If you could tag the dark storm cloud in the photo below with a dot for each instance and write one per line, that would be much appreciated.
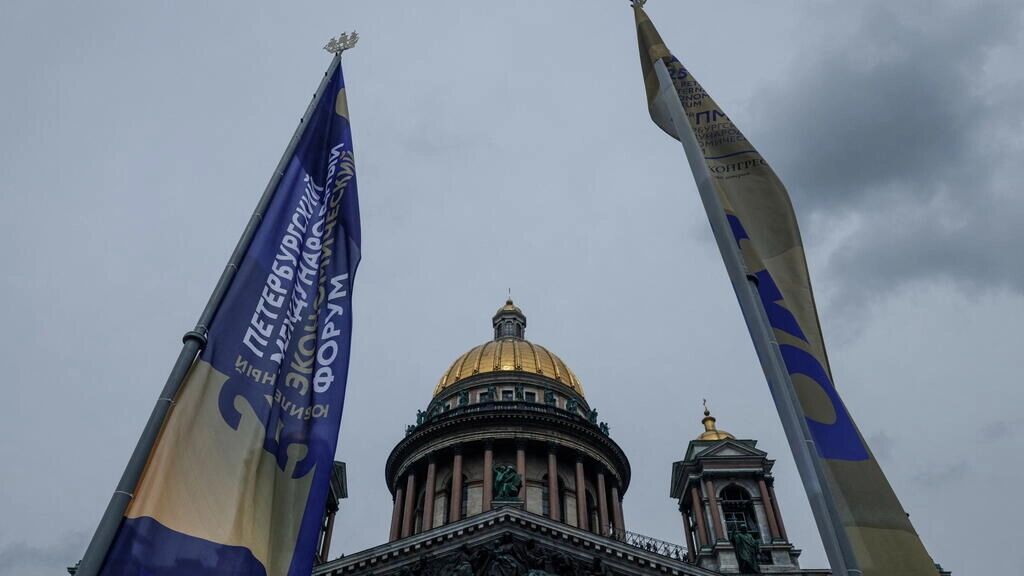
(890, 131)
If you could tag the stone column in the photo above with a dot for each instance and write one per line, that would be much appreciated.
(778, 514)
(555, 510)
(620, 524)
(767, 501)
(698, 514)
(325, 546)
(428, 496)
(716, 517)
(582, 518)
(691, 552)
(409, 518)
(488, 476)
(456, 504)
(521, 467)
(396, 514)
(602, 504)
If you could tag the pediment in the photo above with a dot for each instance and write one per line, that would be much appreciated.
(507, 541)
(729, 448)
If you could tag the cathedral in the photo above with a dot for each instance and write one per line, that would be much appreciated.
(508, 471)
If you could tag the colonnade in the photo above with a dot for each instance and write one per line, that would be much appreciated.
(404, 515)
(695, 526)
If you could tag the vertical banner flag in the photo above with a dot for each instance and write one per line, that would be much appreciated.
(763, 226)
(237, 481)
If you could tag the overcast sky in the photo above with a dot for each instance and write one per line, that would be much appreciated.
(507, 145)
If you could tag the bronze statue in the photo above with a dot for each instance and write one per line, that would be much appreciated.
(746, 551)
(572, 405)
(507, 482)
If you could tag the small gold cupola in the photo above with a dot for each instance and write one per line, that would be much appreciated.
(710, 431)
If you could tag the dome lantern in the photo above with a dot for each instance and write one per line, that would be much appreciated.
(509, 322)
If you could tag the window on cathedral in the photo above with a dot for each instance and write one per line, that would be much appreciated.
(534, 497)
(441, 507)
(530, 396)
(418, 524)
(592, 514)
(736, 522)
(569, 506)
(506, 395)
(739, 511)
(545, 495)
(485, 396)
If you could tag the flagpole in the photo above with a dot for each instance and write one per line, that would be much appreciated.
(192, 343)
(833, 533)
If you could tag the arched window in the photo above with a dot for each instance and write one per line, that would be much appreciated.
(546, 498)
(418, 524)
(739, 511)
(441, 504)
(568, 501)
(465, 496)
(595, 519)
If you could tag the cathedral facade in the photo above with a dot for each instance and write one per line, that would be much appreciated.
(509, 471)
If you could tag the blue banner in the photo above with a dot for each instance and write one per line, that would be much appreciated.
(238, 480)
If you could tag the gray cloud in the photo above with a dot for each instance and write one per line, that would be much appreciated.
(907, 133)
(47, 559)
(882, 445)
(508, 145)
(943, 474)
(998, 430)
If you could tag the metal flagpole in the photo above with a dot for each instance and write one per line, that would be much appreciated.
(193, 342)
(833, 533)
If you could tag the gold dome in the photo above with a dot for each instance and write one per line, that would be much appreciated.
(710, 431)
(509, 355)
(509, 352)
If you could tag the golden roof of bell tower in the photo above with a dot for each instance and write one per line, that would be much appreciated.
(711, 432)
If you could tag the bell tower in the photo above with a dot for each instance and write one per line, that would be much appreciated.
(731, 518)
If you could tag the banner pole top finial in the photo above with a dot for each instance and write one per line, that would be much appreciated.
(638, 3)
(342, 42)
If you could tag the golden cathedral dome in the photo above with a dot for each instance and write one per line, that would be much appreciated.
(509, 352)
(509, 355)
